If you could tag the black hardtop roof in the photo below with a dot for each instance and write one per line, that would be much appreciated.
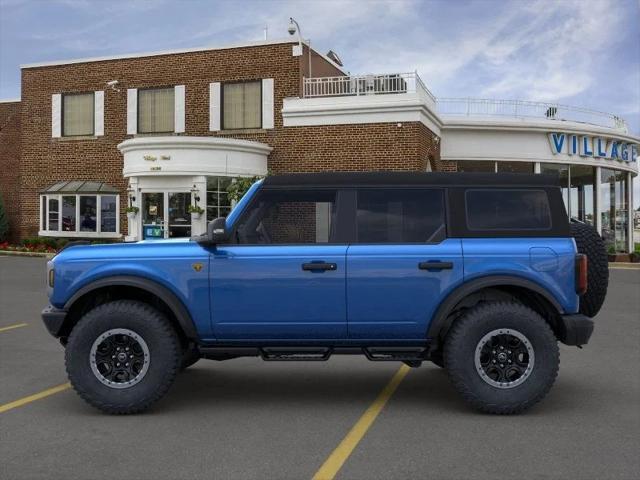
(411, 178)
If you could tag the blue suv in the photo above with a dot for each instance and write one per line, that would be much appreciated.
(480, 274)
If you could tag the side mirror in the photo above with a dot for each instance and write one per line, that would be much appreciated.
(217, 231)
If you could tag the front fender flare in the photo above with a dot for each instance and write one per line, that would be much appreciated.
(176, 306)
(441, 322)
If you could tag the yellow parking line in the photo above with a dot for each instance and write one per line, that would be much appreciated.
(32, 398)
(11, 327)
(334, 463)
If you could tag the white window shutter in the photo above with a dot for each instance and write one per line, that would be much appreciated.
(56, 115)
(98, 113)
(132, 111)
(178, 110)
(267, 103)
(214, 107)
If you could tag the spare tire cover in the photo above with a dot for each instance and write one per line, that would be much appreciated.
(591, 244)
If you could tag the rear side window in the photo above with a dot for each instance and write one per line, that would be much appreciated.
(400, 216)
(498, 209)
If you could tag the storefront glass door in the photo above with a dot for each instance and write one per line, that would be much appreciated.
(164, 215)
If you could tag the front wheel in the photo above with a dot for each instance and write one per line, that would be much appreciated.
(122, 356)
(502, 357)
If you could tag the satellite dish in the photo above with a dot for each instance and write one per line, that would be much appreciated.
(334, 57)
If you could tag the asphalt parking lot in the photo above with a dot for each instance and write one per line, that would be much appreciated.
(247, 419)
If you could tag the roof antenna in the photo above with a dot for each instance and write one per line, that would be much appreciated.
(266, 32)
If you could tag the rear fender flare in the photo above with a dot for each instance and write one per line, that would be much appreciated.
(441, 321)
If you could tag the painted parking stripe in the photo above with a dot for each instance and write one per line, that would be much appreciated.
(334, 463)
(32, 398)
(11, 327)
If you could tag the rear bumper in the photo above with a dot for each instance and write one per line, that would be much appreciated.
(575, 329)
(53, 319)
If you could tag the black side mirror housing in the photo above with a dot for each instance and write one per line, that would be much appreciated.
(217, 231)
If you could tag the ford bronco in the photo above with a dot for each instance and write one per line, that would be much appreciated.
(481, 274)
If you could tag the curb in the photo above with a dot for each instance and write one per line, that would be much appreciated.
(11, 253)
(625, 265)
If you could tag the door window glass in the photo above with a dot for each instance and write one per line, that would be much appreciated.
(400, 216)
(179, 218)
(279, 217)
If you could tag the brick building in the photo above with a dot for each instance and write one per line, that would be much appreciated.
(165, 130)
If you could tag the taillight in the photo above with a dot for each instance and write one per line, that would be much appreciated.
(581, 274)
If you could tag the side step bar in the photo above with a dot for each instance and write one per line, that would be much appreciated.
(317, 354)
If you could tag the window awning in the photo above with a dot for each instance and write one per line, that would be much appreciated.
(80, 186)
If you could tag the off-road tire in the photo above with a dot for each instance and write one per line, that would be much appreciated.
(190, 356)
(459, 355)
(164, 351)
(591, 244)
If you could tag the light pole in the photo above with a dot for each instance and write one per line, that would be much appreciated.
(293, 28)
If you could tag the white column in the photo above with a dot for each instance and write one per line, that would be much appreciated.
(199, 226)
(598, 201)
(630, 243)
(134, 228)
(536, 167)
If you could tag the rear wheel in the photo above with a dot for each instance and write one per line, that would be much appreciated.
(502, 357)
(122, 356)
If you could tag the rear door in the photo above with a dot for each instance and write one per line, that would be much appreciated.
(284, 278)
(401, 264)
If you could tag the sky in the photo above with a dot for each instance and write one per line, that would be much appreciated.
(577, 52)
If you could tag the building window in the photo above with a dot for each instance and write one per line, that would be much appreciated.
(78, 114)
(515, 167)
(242, 105)
(68, 212)
(218, 203)
(156, 110)
(615, 209)
(476, 166)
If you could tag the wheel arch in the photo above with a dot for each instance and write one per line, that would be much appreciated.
(136, 288)
(528, 292)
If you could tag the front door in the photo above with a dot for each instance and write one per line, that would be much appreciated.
(401, 264)
(165, 215)
(283, 278)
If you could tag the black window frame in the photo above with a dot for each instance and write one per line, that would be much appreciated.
(222, 85)
(158, 132)
(93, 117)
(445, 217)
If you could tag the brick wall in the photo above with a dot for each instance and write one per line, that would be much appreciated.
(10, 162)
(46, 160)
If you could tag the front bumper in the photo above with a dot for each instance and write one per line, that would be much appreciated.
(53, 319)
(575, 330)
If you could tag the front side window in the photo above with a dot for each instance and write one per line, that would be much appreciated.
(289, 217)
(241, 105)
(156, 110)
(78, 114)
(507, 210)
(400, 216)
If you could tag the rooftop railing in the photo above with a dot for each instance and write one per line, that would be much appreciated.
(477, 107)
(356, 85)
(399, 83)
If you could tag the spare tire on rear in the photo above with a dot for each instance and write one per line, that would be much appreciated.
(591, 244)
